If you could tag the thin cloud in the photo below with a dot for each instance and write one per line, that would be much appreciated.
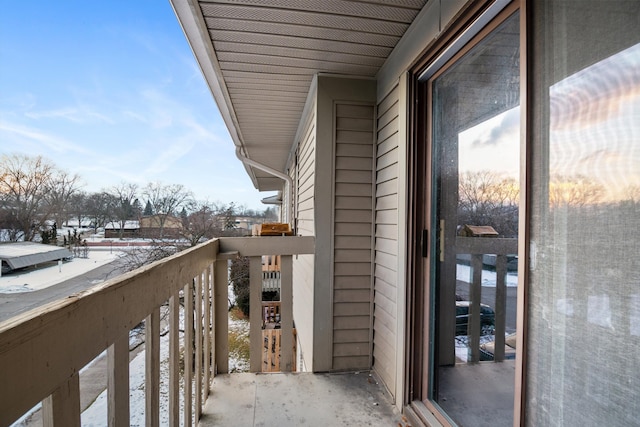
(52, 142)
(597, 93)
(76, 115)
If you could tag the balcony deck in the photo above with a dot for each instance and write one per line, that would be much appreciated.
(280, 399)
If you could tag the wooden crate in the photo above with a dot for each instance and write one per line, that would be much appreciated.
(271, 350)
(275, 229)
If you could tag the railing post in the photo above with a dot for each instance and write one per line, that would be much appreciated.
(152, 368)
(118, 382)
(174, 360)
(286, 313)
(207, 325)
(62, 408)
(500, 311)
(255, 313)
(221, 302)
(474, 328)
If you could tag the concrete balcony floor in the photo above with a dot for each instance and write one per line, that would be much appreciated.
(299, 399)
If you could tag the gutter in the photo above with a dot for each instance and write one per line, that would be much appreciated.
(287, 179)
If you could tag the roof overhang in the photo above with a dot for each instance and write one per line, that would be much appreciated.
(25, 254)
(259, 58)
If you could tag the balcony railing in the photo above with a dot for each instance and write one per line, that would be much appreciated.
(43, 351)
(498, 249)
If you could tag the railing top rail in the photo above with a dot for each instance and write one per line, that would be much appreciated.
(486, 245)
(271, 245)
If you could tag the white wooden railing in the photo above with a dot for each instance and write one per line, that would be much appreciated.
(43, 351)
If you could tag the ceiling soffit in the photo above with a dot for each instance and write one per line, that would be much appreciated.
(268, 52)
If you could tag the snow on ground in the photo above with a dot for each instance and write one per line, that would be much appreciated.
(96, 414)
(488, 277)
(29, 280)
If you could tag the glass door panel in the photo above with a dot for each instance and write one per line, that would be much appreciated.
(476, 139)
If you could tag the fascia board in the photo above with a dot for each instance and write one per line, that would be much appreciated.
(195, 29)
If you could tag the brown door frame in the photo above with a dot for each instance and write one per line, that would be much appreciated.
(421, 238)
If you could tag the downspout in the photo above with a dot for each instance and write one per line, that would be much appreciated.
(277, 174)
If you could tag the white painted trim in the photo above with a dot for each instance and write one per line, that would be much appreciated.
(403, 201)
(463, 39)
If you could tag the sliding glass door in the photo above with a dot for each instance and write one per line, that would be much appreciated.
(474, 135)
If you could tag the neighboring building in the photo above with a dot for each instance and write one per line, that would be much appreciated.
(160, 226)
(374, 119)
(115, 229)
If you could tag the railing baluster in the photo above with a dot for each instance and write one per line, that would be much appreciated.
(152, 368)
(62, 408)
(255, 313)
(198, 351)
(286, 313)
(500, 309)
(207, 330)
(221, 302)
(188, 354)
(118, 382)
(174, 360)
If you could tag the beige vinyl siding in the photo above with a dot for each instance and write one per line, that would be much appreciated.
(353, 222)
(303, 265)
(386, 240)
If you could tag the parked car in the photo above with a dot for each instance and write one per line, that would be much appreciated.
(487, 318)
(487, 350)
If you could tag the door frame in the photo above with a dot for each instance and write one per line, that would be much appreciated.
(421, 240)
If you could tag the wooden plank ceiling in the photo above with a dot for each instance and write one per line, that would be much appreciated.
(268, 51)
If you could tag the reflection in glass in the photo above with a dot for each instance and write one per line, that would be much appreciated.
(583, 338)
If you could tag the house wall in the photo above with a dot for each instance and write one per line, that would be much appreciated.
(389, 312)
(344, 147)
(353, 222)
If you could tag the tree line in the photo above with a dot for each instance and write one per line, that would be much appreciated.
(35, 195)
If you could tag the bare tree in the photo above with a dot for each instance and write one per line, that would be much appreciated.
(204, 223)
(61, 187)
(77, 207)
(574, 191)
(166, 200)
(100, 208)
(24, 182)
(489, 199)
(123, 196)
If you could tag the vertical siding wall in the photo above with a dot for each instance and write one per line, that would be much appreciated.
(303, 265)
(353, 222)
(386, 239)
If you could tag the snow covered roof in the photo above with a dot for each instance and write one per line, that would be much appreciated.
(25, 254)
(128, 225)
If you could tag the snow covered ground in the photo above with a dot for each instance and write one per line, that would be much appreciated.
(29, 280)
(489, 277)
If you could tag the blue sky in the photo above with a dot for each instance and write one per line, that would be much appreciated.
(111, 91)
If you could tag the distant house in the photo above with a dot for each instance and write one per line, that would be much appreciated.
(113, 229)
(156, 226)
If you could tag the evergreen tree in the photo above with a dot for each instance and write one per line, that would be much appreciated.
(148, 209)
